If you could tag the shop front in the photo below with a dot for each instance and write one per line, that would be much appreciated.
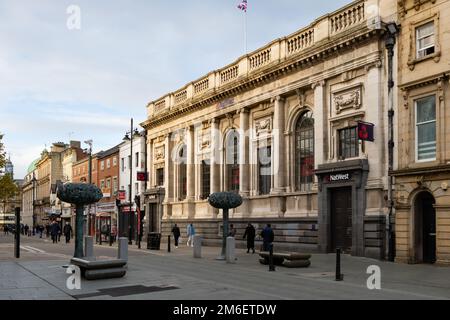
(105, 219)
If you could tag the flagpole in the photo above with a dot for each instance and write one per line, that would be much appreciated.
(245, 31)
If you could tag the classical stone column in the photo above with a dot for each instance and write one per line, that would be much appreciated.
(215, 156)
(278, 146)
(244, 146)
(190, 163)
(150, 168)
(167, 162)
(319, 123)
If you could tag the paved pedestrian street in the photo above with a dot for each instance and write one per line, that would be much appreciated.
(158, 275)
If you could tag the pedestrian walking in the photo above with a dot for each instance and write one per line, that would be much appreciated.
(67, 232)
(47, 230)
(232, 232)
(250, 234)
(190, 234)
(26, 228)
(5, 230)
(268, 237)
(176, 234)
(54, 231)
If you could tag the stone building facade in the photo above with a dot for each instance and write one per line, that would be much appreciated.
(50, 173)
(423, 173)
(29, 194)
(278, 126)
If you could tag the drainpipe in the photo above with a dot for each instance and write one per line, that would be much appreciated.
(390, 41)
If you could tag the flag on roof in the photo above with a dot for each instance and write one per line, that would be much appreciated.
(243, 5)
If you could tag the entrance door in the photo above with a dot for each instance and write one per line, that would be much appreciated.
(341, 219)
(425, 208)
(153, 215)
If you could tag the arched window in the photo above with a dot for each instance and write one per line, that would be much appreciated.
(304, 152)
(232, 161)
(182, 172)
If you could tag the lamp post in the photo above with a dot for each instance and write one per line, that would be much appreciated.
(133, 131)
(89, 143)
(33, 199)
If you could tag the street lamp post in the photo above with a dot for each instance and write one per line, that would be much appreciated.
(33, 199)
(89, 143)
(132, 132)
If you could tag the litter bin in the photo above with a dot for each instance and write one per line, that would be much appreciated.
(154, 241)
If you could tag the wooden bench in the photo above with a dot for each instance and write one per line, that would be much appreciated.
(93, 269)
(288, 260)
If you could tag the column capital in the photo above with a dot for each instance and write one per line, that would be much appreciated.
(277, 99)
(245, 110)
(214, 121)
(320, 83)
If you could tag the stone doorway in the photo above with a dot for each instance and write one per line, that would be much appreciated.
(425, 228)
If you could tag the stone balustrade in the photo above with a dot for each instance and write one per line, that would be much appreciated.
(181, 96)
(229, 74)
(347, 18)
(300, 41)
(201, 86)
(260, 59)
(326, 27)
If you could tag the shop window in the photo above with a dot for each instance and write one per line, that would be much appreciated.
(232, 161)
(304, 152)
(182, 172)
(265, 170)
(206, 179)
(348, 143)
(160, 177)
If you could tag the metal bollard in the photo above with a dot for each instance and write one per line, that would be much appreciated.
(17, 234)
(168, 243)
(271, 265)
(339, 275)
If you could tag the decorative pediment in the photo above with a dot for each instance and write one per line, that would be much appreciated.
(204, 141)
(348, 99)
(263, 126)
(160, 153)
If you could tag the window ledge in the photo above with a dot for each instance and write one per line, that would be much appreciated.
(436, 57)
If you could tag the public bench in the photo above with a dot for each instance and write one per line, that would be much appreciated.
(288, 260)
(93, 269)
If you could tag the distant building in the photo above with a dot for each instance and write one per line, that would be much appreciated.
(108, 182)
(137, 162)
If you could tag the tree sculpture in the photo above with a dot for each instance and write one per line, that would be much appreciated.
(80, 195)
(225, 201)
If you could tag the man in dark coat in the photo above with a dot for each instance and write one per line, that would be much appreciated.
(250, 234)
(268, 237)
(54, 231)
(67, 232)
(176, 234)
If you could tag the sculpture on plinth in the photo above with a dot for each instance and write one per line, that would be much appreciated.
(225, 201)
(80, 195)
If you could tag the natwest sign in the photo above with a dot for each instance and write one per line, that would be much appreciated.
(338, 177)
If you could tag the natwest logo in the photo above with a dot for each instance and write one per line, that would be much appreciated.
(338, 177)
